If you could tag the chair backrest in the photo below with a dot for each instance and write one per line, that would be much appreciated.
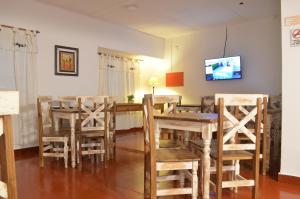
(93, 113)
(226, 137)
(188, 108)
(68, 102)
(169, 101)
(275, 102)
(242, 111)
(149, 145)
(208, 104)
(45, 120)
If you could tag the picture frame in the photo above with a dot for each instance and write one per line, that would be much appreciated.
(66, 60)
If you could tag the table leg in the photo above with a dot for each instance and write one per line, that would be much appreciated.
(206, 136)
(7, 159)
(73, 151)
(56, 121)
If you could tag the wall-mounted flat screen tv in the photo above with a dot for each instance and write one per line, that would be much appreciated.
(223, 68)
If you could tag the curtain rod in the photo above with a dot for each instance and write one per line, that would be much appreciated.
(6, 26)
(106, 54)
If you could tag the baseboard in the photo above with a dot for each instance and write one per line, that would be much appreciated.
(288, 179)
(130, 150)
(129, 131)
(25, 152)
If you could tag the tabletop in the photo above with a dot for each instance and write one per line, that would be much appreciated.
(188, 116)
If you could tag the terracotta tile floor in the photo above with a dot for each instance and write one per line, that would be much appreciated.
(122, 179)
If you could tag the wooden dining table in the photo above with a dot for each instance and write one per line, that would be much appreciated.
(203, 123)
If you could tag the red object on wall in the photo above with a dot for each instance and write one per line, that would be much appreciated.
(174, 79)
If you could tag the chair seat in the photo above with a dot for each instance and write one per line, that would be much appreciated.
(169, 144)
(50, 132)
(233, 155)
(175, 155)
(200, 144)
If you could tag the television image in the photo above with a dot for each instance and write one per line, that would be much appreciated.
(223, 68)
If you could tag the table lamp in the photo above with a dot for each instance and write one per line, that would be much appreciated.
(153, 81)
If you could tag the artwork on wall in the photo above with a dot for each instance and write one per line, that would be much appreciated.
(66, 60)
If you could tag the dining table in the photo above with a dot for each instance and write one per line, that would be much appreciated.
(203, 123)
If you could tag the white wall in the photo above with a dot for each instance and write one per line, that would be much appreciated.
(61, 27)
(258, 44)
(290, 148)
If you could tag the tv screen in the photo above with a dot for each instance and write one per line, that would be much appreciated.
(223, 68)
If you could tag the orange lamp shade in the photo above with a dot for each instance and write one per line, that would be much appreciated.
(174, 79)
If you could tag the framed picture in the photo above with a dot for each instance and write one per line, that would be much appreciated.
(66, 60)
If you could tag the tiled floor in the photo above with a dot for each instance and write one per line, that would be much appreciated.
(122, 179)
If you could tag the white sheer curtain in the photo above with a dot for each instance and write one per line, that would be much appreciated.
(120, 77)
(18, 50)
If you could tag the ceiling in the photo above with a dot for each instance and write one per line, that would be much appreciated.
(168, 18)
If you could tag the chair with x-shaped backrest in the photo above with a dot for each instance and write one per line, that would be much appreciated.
(227, 147)
(241, 111)
(92, 138)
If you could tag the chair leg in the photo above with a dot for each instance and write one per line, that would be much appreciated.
(182, 176)
(102, 148)
(41, 151)
(80, 152)
(114, 145)
(255, 191)
(105, 153)
(219, 174)
(201, 173)
(146, 177)
(265, 152)
(56, 149)
(66, 150)
(77, 151)
(236, 172)
(195, 180)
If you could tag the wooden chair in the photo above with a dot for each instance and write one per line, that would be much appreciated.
(242, 111)
(208, 104)
(168, 104)
(9, 105)
(157, 160)
(228, 149)
(51, 143)
(275, 102)
(92, 137)
(274, 119)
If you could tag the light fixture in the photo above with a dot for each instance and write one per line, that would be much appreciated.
(174, 79)
(153, 82)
